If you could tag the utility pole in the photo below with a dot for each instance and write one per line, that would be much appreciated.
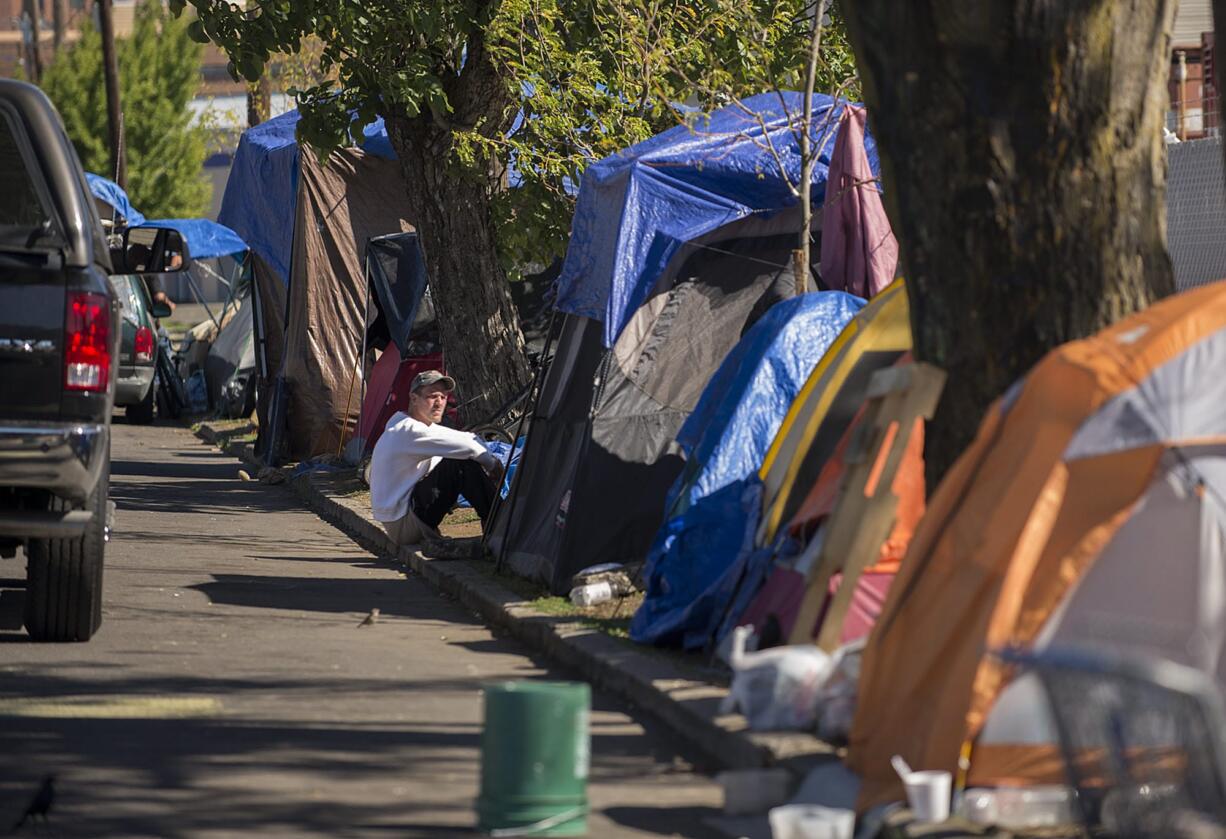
(30, 12)
(110, 68)
(1180, 106)
(59, 20)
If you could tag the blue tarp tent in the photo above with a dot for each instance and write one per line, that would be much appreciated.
(262, 189)
(678, 246)
(638, 207)
(205, 239)
(113, 195)
(725, 439)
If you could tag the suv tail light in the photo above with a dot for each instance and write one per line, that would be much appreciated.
(144, 344)
(87, 342)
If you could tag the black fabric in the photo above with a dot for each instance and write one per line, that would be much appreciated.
(435, 495)
(528, 527)
(268, 300)
(533, 296)
(397, 274)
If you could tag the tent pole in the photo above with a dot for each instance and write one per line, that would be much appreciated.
(534, 394)
(191, 281)
(340, 446)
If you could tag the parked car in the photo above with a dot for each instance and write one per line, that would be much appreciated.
(134, 388)
(58, 339)
(59, 348)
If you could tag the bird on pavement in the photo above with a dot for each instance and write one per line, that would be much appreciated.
(40, 804)
(370, 619)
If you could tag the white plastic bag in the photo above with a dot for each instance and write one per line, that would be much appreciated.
(776, 689)
(836, 701)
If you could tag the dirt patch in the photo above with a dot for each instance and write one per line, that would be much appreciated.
(461, 523)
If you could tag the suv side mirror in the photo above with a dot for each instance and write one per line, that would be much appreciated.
(151, 250)
(160, 310)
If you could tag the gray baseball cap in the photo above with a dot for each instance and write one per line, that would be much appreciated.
(429, 377)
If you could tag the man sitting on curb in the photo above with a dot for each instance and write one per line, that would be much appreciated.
(419, 467)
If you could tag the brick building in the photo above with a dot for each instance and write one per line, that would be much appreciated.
(1193, 112)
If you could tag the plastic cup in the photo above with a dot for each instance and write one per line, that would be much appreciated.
(809, 821)
(928, 795)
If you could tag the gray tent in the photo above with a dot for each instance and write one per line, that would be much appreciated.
(600, 456)
(230, 367)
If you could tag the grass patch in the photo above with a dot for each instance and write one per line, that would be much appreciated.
(611, 617)
(462, 515)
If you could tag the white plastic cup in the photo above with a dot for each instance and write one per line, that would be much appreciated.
(809, 821)
(591, 594)
(928, 794)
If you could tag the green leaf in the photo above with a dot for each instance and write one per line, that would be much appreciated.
(195, 31)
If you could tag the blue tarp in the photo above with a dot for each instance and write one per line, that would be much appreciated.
(503, 451)
(637, 207)
(261, 193)
(685, 603)
(113, 194)
(725, 440)
(205, 239)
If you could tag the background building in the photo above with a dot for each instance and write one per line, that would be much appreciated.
(1193, 114)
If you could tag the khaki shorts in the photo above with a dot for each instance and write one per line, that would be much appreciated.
(409, 530)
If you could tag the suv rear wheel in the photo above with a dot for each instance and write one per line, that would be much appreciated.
(64, 591)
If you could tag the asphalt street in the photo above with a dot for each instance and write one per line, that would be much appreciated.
(231, 692)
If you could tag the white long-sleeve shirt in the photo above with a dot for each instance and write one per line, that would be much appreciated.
(406, 452)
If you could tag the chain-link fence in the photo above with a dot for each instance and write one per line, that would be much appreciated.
(1196, 211)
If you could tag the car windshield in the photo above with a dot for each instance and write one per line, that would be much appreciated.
(25, 220)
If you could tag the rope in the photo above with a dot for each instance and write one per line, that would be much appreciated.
(543, 824)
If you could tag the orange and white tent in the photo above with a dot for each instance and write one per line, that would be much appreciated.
(1089, 510)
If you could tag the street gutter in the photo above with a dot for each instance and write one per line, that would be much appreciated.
(670, 691)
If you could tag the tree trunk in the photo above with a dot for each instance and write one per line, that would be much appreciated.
(259, 100)
(114, 111)
(478, 323)
(1024, 171)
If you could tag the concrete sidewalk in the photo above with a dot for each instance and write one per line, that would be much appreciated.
(673, 688)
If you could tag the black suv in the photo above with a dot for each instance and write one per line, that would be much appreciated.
(59, 340)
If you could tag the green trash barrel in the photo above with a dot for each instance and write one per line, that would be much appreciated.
(535, 749)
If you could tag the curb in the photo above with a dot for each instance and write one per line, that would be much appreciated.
(683, 701)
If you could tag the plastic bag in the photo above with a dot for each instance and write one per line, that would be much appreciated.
(776, 689)
(198, 392)
(836, 701)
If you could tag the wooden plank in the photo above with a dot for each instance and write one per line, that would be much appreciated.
(864, 513)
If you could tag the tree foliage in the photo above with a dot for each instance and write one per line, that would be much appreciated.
(159, 70)
(573, 80)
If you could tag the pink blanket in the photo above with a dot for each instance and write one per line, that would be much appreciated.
(859, 251)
